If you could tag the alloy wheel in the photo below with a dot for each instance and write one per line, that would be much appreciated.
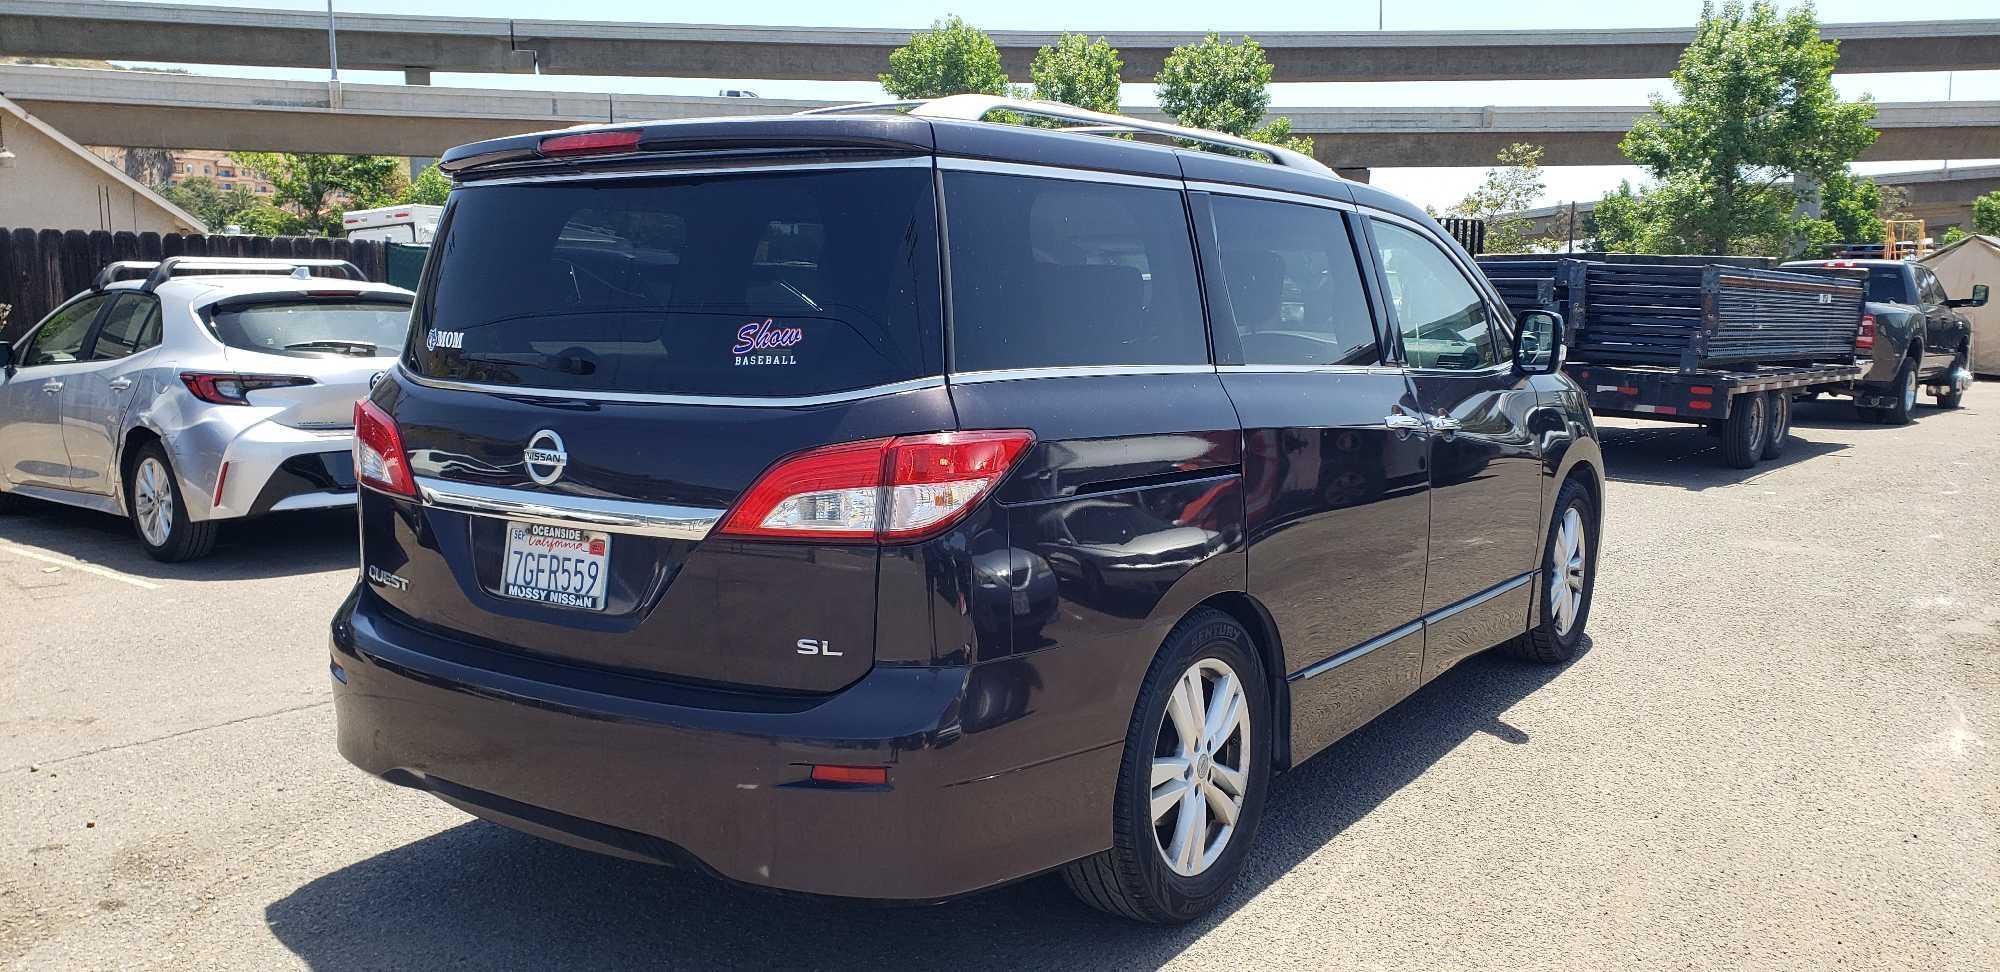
(1910, 389)
(1200, 767)
(1568, 560)
(153, 502)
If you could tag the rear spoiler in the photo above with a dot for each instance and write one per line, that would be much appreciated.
(157, 273)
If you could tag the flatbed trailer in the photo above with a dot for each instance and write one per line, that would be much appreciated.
(1748, 407)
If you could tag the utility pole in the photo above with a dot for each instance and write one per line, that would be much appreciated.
(332, 60)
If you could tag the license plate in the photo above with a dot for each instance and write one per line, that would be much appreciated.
(556, 565)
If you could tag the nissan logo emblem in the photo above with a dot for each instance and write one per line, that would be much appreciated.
(545, 457)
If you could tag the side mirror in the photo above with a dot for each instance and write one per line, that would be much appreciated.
(1978, 298)
(1538, 344)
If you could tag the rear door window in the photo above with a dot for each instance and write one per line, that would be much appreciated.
(132, 326)
(738, 285)
(1056, 273)
(1291, 291)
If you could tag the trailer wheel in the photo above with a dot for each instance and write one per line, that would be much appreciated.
(1743, 435)
(1779, 408)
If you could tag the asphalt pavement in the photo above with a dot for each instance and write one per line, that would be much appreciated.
(1779, 752)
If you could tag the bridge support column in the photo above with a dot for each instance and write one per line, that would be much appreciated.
(418, 76)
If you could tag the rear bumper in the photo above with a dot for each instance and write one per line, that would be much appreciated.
(683, 777)
(262, 468)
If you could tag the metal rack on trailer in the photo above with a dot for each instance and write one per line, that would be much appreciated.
(1727, 346)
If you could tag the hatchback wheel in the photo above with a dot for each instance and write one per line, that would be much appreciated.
(159, 516)
(1191, 786)
(1569, 576)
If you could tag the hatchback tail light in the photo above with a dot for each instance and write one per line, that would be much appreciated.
(230, 389)
(886, 490)
(1865, 339)
(379, 460)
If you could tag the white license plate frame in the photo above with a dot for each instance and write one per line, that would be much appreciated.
(552, 565)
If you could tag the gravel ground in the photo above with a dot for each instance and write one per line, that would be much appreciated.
(1777, 754)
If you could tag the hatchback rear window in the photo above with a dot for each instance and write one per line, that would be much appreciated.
(314, 327)
(739, 285)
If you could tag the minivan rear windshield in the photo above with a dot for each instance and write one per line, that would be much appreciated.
(359, 328)
(720, 284)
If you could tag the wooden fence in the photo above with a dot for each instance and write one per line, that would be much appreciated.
(40, 269)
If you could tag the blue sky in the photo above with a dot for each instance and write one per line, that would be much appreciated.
(1437, 187)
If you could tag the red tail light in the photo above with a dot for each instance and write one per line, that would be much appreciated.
(886, 490)
(589, 143)
(1865, 340)
(379, 459)
(226, 389)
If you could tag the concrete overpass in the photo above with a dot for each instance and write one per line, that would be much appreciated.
(1942, 198)
(145, 109)
(297, 38)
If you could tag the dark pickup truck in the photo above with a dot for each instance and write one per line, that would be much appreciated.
(1911, 335)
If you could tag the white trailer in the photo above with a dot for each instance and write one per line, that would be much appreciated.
(393, 224)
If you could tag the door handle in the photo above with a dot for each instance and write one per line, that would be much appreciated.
(1443, 425)
(1403, 423)
(51, 387)
(120, 384)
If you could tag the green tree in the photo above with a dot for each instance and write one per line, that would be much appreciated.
(1624, 221)
(953, 57)
(1851, 205)
(1754, 104)
(265, 219)
(1224, 88)
(1515, 184)
(1078, 71)
(319, 187)
(429, 188)
(1953, 235)
(1986, 214)
(209, 202)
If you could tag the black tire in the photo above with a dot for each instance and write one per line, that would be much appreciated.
(1133, 879)
(1743, 435)
(1549, 642)
(1778, 422)
(1952, 397)
(1905, 394)
(10, 504)
(185, 539)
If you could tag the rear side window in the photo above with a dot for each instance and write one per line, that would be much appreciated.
(132, 326)
(314, 327)
(1290, 287)
(740, 285)
(1054, 273)
(1885, 285)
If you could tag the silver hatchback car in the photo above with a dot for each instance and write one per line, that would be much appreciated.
(209, 390)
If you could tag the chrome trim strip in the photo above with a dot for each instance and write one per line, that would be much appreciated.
(1480, 598)
(1278, 369)
(637, 398)
(1080, 371)
(578, 512)
(1276, 195)
(897, 162)
(1381, 640)
(958, 163)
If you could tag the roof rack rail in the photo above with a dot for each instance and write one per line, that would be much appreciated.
(974, 107)
(160, 272)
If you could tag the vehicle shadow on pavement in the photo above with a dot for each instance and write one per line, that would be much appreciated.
(485, 896)
(1689, 458)
(279, 545)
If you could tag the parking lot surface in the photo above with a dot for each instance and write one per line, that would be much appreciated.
(1780, 752)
